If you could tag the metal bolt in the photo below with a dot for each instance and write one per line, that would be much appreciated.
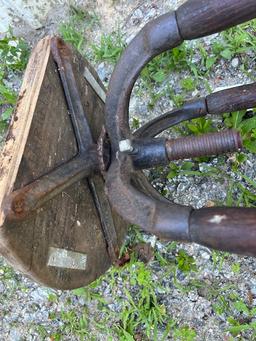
(18, 206)
(125, 146)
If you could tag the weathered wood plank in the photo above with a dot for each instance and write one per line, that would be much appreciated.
(63, 244)
(21, 120)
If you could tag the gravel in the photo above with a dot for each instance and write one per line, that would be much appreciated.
(31, 312)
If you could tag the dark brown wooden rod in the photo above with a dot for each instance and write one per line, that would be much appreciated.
(227, 229)
(232, 99)
(224, 101)
(199, 18)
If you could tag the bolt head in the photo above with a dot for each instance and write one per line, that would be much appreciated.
(125, 146)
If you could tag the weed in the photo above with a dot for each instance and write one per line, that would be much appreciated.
(178, 100)
(174, 60)
(79, 15)
(238, 193)
(75, 324)
(175, 170)
(218, 258)
(244, 320)
(238, 40)
(200, 126)
(142, 311)
(235, 267)
(74, 30)
(184, 334)
(188, 84)
(52, 298)
(246, 126)
(72, 36)
(185, 262)
(110, 48)
(135, 123)
(14, 55)
(41, 330)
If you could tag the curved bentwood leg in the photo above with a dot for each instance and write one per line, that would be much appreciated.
(230, 229)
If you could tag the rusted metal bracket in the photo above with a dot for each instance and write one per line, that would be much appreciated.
(27, 200)
(85, 143)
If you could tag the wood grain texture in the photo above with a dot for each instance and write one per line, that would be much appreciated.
(225, 228)
(70, 221)
(94, 108)
(21, 120)
(199, 18)
(51, 133)
(233, 99)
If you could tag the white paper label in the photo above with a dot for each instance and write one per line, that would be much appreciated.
(62, 258)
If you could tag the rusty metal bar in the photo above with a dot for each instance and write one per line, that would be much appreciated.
(28, 199)
(62, 57)
(157, 36)
(85, 141)
(148, 153)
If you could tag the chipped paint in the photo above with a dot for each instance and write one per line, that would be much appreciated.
(217, 219)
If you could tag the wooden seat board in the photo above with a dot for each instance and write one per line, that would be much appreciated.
(63, 244)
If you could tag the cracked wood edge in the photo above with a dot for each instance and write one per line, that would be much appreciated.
(16, 139)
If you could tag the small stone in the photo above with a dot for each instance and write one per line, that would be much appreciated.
(195, 93)
(40, 295)
(102, 71)
(209, 203)
(151, 13)
(253, 290)
(2, 288)
(205, 255)
(181, 187)
(193, 296)
(235, 62)
(138, 14)
(15, 335)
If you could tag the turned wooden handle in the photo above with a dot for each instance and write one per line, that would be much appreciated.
(233, 99)
(199, 18)
(227, 229)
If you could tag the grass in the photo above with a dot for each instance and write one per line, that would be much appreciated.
(140, 312)
(143, 313)
(245, 125)
(75, 30)
(110, 48)
(14, 55)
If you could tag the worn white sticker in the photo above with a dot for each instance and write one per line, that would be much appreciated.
(94, 84)
(217, 219)
(62, 258)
